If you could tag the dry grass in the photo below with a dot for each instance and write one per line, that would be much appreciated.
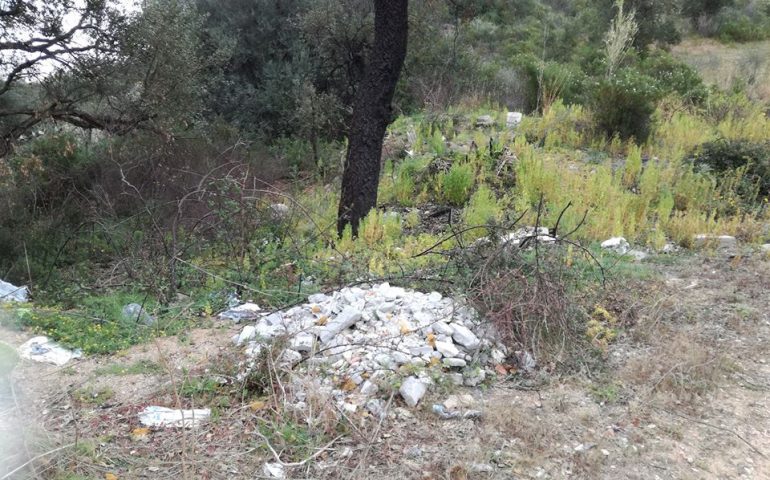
(729, 65)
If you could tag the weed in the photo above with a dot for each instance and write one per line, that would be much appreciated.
(93, 396)
(142, 367)
(456, 183)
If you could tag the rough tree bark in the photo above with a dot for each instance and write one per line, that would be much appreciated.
(372, 112)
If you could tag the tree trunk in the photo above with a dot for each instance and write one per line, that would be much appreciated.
(372, 112)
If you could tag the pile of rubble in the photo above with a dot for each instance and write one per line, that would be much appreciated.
(356, 338)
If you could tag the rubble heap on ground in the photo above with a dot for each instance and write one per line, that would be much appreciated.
(359, 336)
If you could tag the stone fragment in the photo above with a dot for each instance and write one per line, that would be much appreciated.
(513, 118)
(463, 336)
(455, 362)
(447, 349)
(345, 319)
(618, 245)
(302, 342)
(412, 390)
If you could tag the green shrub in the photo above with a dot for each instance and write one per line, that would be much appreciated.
(675, 77)
(736, 25)
(724, 155)
(456, 183)
(624, 103)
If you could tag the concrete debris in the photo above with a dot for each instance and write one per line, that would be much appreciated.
(412, 390)
(362, 337)
(513, 118)
(154, 416)
(43, 349)
(618, 245)
(12, 293)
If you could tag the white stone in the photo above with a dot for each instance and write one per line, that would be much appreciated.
(447, 349)
(617, 244)
(443, 328)
(302, 342)
(273, 470)
(279, 211)
(318, 298)
(513, 118)
(637, 255)
(455, 362)
(369, 388)
(434, 297)
(412, 390)
(463, 336)
(765, 248)
(248, 333)
(345, 319)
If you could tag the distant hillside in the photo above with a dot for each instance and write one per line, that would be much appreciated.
(744, 65)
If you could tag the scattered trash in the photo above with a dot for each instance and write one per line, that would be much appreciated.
(43, 349)
(135, 313)
(154, 416)
(12, 293)
(247, 311)
(273, 470)
(443, 414)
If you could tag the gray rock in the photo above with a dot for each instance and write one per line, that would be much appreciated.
(456, 379)
(376, 407)
(463, 336)
(134, 313)
(369, 388)
(12, 293)
(618, 245)
(765, 248)
(345, 319)
(719, 242)
(474, 377)
(412, 390)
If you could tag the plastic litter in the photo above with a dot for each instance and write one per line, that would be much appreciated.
(154, 416)
(43, 349)
(273, 470)
(12, 293)
(247, 311)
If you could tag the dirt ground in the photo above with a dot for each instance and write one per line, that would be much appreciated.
(683, 395)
